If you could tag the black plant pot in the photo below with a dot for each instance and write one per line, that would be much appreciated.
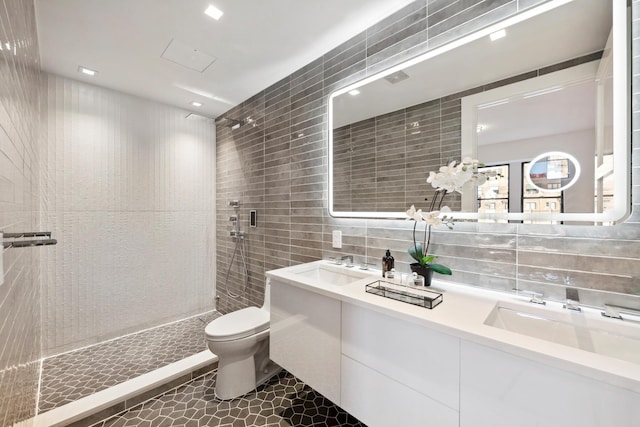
(425, 272)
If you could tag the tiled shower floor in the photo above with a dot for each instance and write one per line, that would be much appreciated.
(71, 376)
(284, 401)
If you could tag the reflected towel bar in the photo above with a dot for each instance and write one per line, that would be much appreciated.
(27, 243)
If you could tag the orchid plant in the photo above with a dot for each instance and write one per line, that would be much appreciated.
(450, 178)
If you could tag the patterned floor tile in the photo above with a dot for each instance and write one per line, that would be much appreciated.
(284, 401)
(71, 376)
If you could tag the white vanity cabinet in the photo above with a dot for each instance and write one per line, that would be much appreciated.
(498, 389)
(391, 365)
(305, 337)
(397, 373)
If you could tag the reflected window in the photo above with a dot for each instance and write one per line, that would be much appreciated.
(493, 195)
(536, 200)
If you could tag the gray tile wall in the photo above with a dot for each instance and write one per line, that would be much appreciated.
(279, 166)
(380, 163)
(19, 210)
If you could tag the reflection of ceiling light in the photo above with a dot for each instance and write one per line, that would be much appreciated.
(481, 128)
(414, 124)
(87, 71)
(542, 91)
(415, 132)
(196, 104)
(498, 35)
(300, 135)
(213, 12)
(493, 104)
(354, 92)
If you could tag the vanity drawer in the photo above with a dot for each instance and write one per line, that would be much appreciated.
(377, 400)
(503, 390)
(415, 356)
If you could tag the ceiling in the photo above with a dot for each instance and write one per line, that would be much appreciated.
(255, 43)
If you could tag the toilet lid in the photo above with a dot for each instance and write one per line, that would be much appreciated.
(238, 324)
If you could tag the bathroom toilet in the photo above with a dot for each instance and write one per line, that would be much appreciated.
(241, 341)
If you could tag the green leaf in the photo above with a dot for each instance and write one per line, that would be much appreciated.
(416, 254)
(441, 269)
(427, 259)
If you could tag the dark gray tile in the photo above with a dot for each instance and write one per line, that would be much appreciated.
(73, 375)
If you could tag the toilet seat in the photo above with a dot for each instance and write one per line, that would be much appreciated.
(238, 324)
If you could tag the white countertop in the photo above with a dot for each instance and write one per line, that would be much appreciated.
(462, 314)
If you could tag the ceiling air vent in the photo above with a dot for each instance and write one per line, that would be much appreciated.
(396, 77)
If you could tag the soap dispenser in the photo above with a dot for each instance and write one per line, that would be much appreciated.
(387, 263)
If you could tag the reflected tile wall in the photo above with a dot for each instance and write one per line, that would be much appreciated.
(19, 210)
(290, 186)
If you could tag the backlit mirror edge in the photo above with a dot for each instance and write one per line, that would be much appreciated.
(621, 128)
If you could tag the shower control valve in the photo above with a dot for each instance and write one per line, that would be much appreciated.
(236, 234)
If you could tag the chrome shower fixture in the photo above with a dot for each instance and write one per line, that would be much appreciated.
(234, 203)
(230, 123)
(233, 218)
(236, 234)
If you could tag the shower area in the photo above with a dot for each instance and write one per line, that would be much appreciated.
(127, 188)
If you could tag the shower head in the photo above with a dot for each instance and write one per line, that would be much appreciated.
(230, 123)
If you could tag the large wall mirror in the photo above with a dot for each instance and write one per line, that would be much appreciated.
(541, 98)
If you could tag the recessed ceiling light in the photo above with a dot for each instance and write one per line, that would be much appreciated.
(213, 12)
(354, 92)
(497, 35)
(87, 71)
(196, 104)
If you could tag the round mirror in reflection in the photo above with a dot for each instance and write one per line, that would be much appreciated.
(553, 170)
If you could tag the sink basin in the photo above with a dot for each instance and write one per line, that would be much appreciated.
(585, 331)
(324, 274)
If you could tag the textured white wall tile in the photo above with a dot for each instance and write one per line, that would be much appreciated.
(20, 323)
(130, 187)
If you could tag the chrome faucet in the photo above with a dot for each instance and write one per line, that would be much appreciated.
(349, 259)
(536, 297)
(615, 311)
(573, 299)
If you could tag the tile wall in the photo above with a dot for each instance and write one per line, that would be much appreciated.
(19, 210)
(379, 163)
(277, 164)
(128, 188)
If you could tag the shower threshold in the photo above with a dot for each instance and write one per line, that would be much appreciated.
(117, 398)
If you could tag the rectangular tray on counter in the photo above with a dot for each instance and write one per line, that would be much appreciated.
(410, 294)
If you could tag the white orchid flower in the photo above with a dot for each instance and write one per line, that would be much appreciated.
(414, 214)
(431, 217)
